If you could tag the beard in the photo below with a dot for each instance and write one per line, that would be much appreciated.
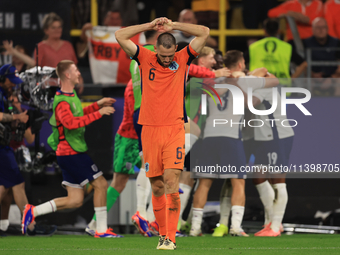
(161, 63)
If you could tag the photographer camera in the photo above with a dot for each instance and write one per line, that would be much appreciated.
(11, 180)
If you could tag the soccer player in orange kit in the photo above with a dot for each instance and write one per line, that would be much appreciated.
(162, 114)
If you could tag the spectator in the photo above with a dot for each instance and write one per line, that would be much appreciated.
(332, 10)
(119, 73)
(20, 59)
(321, 39)
(128, 10)
(20, 65)
(303, 11)
(112, 19)
(188, 16)
(51, 50)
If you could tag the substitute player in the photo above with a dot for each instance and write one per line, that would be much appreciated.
(162, 114)
(126, 156)
(68, 121)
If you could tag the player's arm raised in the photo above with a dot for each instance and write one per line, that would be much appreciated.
(123, 35)
(201, 33)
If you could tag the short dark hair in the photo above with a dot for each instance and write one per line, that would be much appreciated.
(218, 52)
(271, 26)
(167, 40)
(149, 34)
(232, 57)
(21, 47)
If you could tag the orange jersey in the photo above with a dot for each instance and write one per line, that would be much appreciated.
(332, 15)
(163, 88)
(313, 10)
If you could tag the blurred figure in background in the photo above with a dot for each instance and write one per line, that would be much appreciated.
(275, 55)
(188, 16)
(20, 59)
(332, 10)
(303, 12)
(321, 39)
(51, 50)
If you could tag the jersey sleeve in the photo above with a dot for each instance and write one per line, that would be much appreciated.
(64, 114)
(91, 108)
(200, 72)
(191, 53)
(141, 54)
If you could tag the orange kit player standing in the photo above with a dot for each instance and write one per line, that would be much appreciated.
(162, 114)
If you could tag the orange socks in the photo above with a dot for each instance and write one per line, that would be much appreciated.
(167, 210)
(173, 207)
(159, 209)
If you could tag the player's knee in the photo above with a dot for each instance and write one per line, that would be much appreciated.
(157, 190)
(75, 203)
(100, 183)
(78, 204)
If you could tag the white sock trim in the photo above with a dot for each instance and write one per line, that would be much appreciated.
(143, 189)
(190, 139)
(237, 216)
(197, 215)
(101, 215)
(267, 197)
(184, 198)
(279, 206)
(45, 208)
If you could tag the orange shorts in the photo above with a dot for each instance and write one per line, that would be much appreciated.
(163, 148)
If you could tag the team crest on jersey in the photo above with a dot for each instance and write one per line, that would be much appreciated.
(146, 167)
(173, 66)
(94, 168)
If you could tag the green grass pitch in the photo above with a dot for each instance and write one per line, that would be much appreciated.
(135, 244)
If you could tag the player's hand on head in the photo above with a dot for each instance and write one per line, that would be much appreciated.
(23, 117)
(107, 110)
(106, 101)
(165, 25)
(156, 23)
(168, 25)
